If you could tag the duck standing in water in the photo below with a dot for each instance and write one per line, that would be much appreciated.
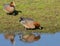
(10, 37)
(9, 8)
(30, 38)
(29, 23)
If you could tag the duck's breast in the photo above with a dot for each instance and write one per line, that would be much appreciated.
(8, 8)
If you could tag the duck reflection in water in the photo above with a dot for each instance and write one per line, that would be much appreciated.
(29, 38)
(10, 37)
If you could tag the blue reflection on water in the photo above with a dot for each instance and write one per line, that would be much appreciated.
(46, 40)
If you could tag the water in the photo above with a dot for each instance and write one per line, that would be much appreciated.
(45, 40)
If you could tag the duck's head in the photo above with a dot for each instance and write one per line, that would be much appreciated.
(21, 18)
(12, 4)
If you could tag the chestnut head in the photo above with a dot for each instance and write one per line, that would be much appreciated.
(12, 4)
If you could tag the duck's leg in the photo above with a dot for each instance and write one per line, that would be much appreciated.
(26, 28)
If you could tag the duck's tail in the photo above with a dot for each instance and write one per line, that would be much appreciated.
(37, 25)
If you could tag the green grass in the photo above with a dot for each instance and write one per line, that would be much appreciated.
(46, 12)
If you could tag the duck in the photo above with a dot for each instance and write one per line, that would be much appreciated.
(29, 23)
(10, 37)
(9, 8)
(30, 38)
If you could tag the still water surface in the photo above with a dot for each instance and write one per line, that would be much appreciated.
(45, 40)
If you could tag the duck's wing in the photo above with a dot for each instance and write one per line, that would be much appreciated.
(28, 19)
(30, 38)
(25, 36)
(28, 24)
(7, 8)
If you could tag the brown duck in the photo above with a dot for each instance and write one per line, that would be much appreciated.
(9, 8)
(30, 38)
(29, 23)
